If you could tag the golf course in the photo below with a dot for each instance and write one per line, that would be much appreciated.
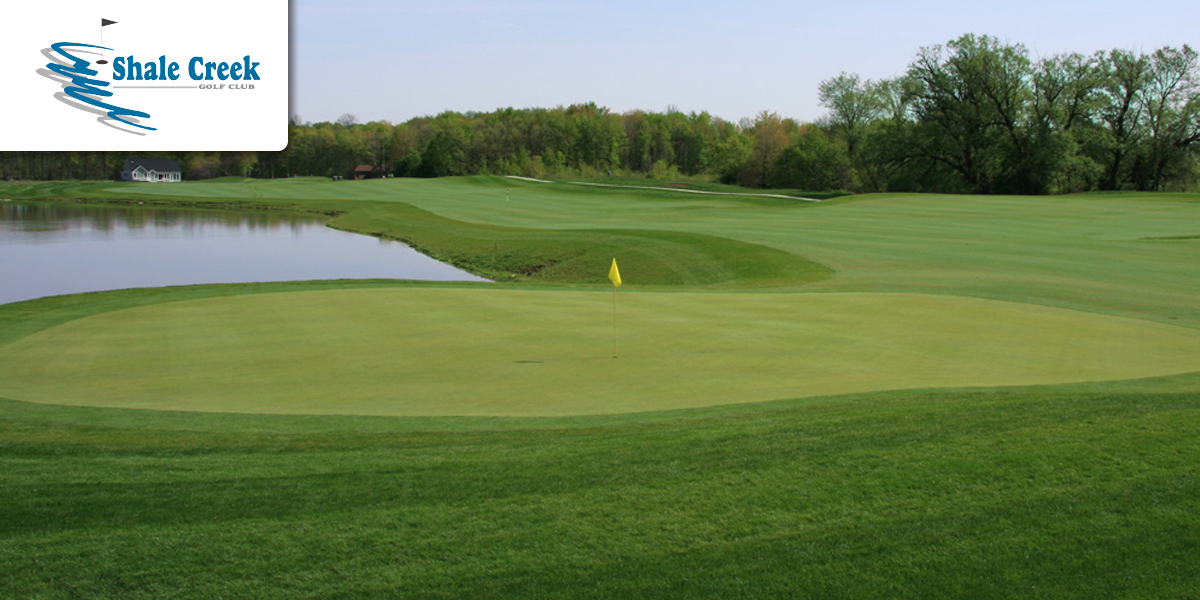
(879, 395)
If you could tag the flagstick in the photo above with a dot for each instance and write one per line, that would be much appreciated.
(614, 276)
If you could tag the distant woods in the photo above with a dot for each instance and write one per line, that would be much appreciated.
(977, 115)
(973, 115)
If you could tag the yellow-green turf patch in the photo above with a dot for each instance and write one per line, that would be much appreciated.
(429, 351)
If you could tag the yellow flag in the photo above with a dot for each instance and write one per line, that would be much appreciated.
(614, 274)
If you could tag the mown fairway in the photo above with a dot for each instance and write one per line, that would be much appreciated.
(988, 397)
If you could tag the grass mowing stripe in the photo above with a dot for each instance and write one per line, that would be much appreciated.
(899, 494)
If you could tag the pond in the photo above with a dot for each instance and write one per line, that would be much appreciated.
(47, 250)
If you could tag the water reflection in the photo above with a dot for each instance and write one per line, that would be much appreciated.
(54, 217)
(49, 249)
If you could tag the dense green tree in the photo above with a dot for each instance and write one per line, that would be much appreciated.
(971, 104)
(853, 104)
(1121, 114)
(812, 162)
(446, 151)
(771, 135)
(1171, 105)
(978, 115)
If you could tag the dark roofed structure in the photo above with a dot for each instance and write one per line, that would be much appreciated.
(151, 169)
(361, 172)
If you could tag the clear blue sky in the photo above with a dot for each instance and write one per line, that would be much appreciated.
(394, 60)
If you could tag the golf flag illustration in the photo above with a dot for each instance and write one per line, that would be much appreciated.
(614, 275)
(103, 23)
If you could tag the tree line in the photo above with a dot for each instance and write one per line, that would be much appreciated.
(972, 115)
(977, 115)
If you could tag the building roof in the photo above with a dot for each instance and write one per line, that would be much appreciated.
(363, 169)
(152, 164)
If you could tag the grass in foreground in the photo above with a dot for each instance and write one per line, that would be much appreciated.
(1049, 492)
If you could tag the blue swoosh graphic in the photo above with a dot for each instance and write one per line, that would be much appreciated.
(83, 88)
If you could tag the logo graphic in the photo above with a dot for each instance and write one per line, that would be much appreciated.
(78, 84)
(173, 78)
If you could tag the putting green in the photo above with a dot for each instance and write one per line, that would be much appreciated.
(430, 351)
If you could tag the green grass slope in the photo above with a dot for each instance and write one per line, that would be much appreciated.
(1094, 253)
(493, 250)
(1083, 486)
(580, 256)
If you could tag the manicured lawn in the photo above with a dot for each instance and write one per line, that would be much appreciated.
(495, 352)
(1125, 254)
(880, 396)
(1048, 492)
